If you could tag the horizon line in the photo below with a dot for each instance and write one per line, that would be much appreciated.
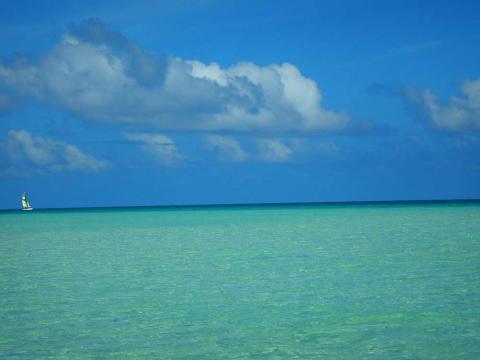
(347, 202)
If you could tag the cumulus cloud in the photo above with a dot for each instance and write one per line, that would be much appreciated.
(100, 75)
(460, 114)
(274, 150)
(160, 146)
(36, 153)
(227, 147)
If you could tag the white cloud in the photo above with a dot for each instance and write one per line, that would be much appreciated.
(458, 115)
(158, 145)
(227, 147)
(100, 75)
(271, 149)
(36, 153)
(274, 150)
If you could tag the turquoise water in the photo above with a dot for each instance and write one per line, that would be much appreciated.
(378, 281)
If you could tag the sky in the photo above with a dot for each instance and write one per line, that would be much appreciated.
(120, 103)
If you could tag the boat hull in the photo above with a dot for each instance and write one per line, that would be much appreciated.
(27, 209)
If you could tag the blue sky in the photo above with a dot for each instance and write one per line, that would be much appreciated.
(180, 102)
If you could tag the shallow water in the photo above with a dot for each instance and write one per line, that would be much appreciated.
(376, 281)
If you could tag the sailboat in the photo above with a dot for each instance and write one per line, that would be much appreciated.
(25, 204)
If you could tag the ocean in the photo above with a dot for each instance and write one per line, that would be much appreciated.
(312, 281)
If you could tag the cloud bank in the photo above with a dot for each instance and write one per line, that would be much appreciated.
(102, 76)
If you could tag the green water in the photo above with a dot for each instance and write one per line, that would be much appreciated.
(387, 281)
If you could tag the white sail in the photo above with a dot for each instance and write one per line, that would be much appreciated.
(25, 203)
